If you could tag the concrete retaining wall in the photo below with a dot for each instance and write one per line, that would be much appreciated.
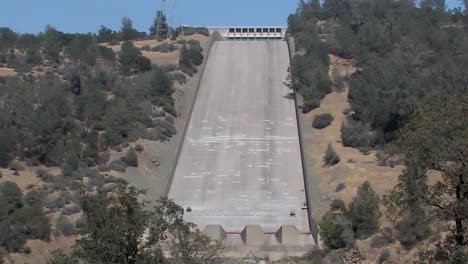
(314, 227)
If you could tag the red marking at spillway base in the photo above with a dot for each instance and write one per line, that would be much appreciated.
(267, 232)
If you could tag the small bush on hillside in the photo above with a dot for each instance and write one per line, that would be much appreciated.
(191, 57)
(117, 165)
(170, 119)
(341, 186)
(179, 77)
(310, 104)
(71, 209)
(104, 158)
(131, 60)
(70, 163)
(143, 64)
(131, 158)
(170, 110)
(106, 53)
(33, 57)
(384, 255)
(64, 226)
(331, 157)
(44, 175)
(314, 256)
(322, 121)
(357, 135)
(165, 48)
(139, 148)
(16, 166)
(146, 48)
(336, 230)
(188, 31)
(181, 41)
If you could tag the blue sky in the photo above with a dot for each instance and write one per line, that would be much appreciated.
(87, 15)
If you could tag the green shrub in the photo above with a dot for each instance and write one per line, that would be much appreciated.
(71, 209)
(310, 104)
(188, 31)
(17, 166)
(131, 158)
(34, 198)
(64, 226)
(336, 231)
(190, 57)
(117, 165)
(139, 148)
(106, 53)
(165, 48)
(331, 157)
(33, 57)
(131, 60)
(384, 255)
(146, 48)
(364, 211)
(71, 163)
(322, 121)
(143, 64)
(357, 135)
(179, 77)
(4, 152)
(341, 186)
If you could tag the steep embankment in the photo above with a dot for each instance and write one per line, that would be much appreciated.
(342, 180)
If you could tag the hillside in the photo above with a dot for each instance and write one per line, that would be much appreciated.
(379, 82)
(74, 109)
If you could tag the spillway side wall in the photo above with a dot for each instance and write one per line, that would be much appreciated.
(313, 224)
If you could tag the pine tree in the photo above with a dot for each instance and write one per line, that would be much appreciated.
(364, 211)
(4, 153)
(434, 140)
(331, 157)
(128, 32)
(163, 27)
(131, 158)
(71, 160)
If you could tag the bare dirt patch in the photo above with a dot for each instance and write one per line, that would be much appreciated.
(41, 250)
(26, 179)
(5, 72)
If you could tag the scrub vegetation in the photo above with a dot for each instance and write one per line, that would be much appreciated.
(71, 104)
(408, 100)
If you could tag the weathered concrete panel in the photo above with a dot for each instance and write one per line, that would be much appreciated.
(252, 235)
(216, 232)
(240, 163)
(288, 235)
